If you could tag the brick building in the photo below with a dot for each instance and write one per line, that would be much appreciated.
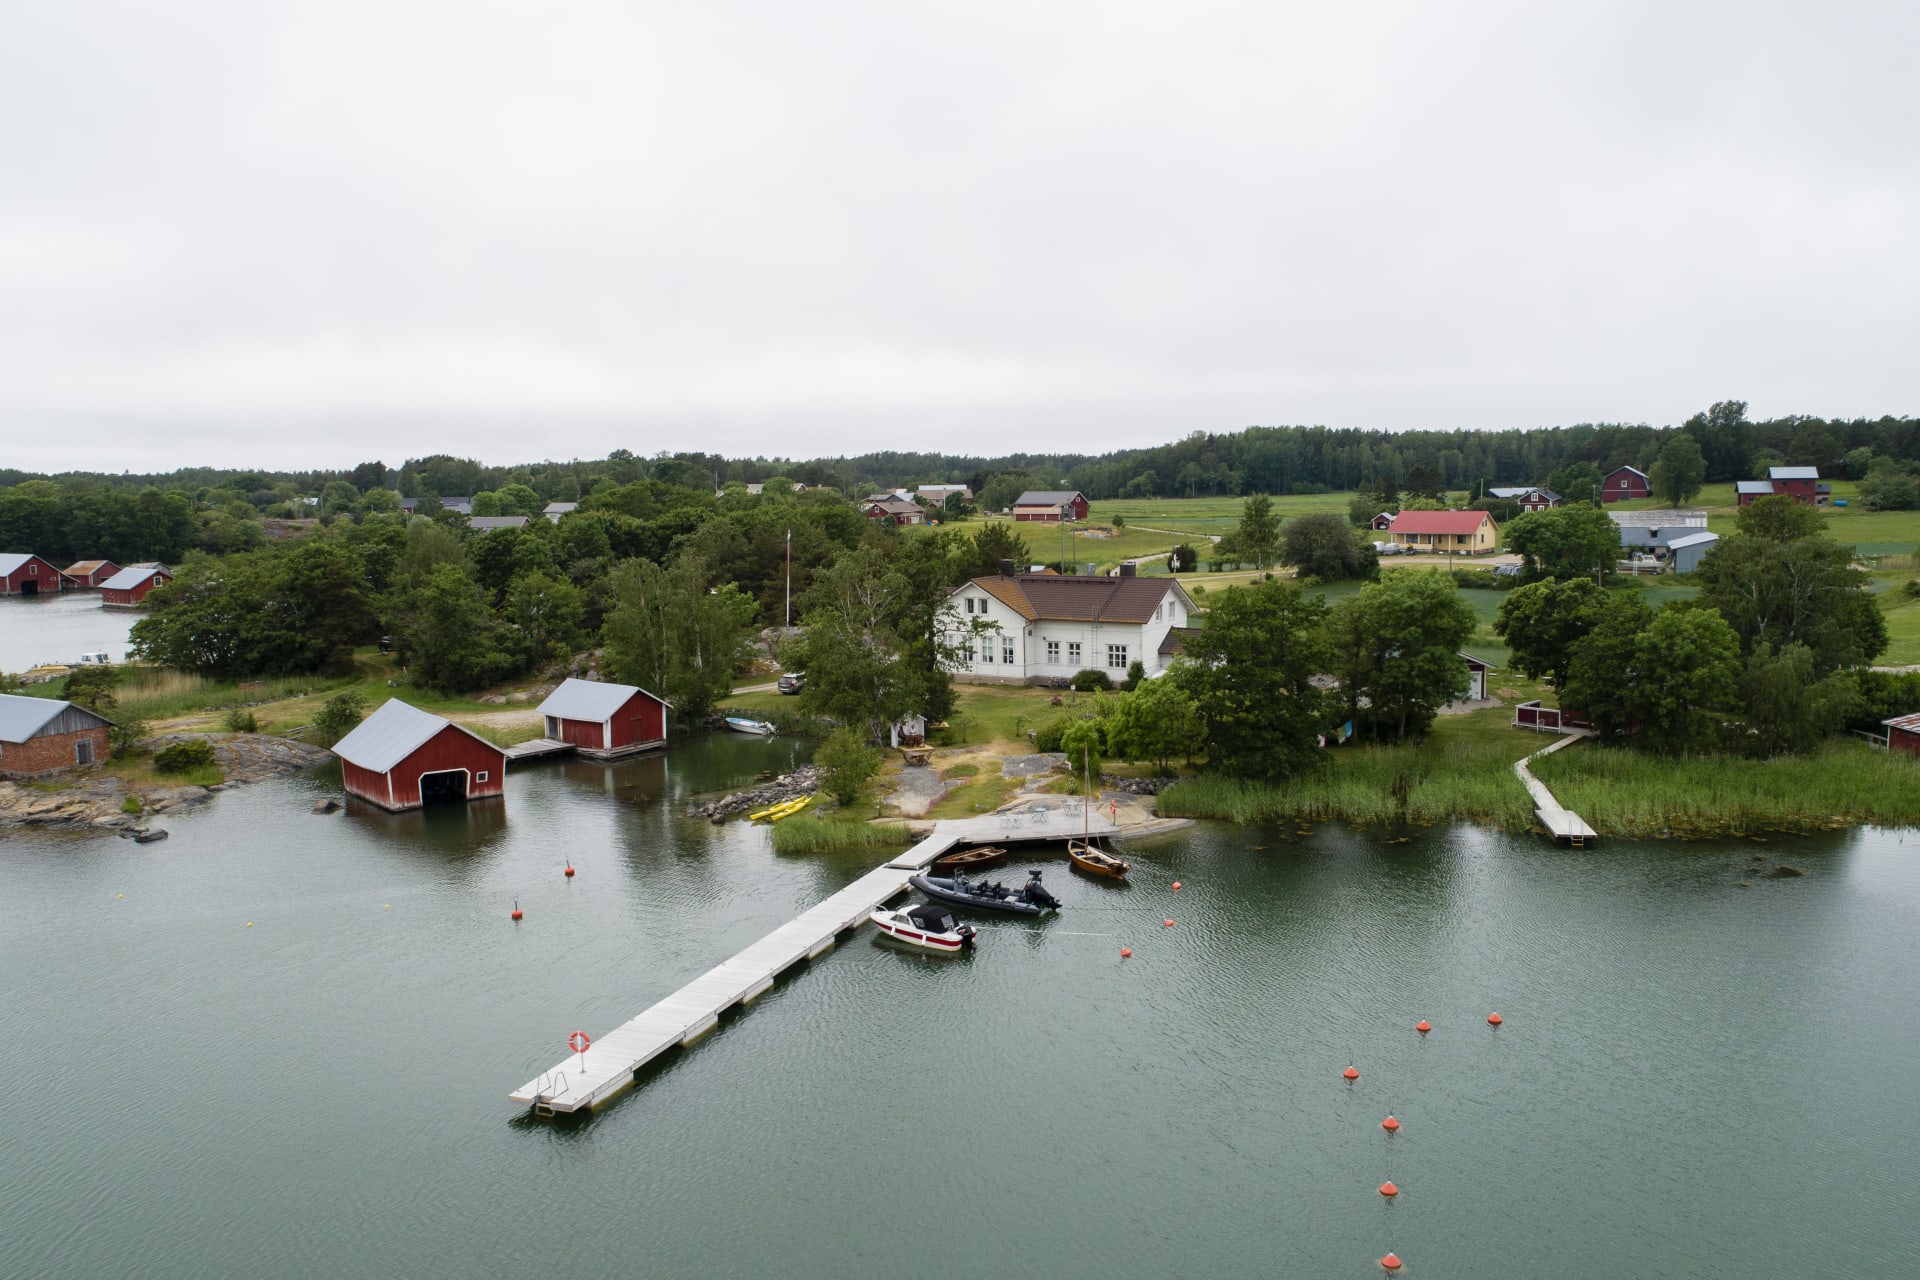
(42, 735)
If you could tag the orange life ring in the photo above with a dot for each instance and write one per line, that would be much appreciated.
(579, 1041)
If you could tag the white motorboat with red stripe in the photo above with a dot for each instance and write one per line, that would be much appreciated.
(927, 925)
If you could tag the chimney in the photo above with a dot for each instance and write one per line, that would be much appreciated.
(1091, 568)
(1126, 569)
(1006, 568)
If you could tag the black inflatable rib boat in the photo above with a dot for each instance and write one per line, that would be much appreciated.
(1029, 900)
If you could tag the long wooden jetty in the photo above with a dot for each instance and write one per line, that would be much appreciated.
(1563, 824)
(584, 1081)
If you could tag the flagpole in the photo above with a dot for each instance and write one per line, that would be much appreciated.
(789, 621)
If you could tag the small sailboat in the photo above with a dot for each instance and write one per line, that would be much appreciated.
(1085, 854)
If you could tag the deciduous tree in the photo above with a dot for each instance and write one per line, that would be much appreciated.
(1324, 546)
(1249, 673)
(1396, 648)
(1542, 621)
(1565, 542)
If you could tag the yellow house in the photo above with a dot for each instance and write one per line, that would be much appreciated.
(1461, 533)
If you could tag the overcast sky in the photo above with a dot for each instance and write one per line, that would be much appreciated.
(283, 234)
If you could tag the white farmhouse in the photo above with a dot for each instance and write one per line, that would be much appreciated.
(1042, 628)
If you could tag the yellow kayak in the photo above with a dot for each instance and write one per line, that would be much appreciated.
(791, 808)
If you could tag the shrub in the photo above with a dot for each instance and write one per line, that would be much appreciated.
(338, 718)
(1083, 743)
(184, 757)
(1047, 736)
(1092, 680)
(240, 720)
(1136, 672)
(847, 765)
(126, 732)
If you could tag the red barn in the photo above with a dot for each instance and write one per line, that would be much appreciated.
(401, 757)
(91, 573)
(127, 588)
(605, 720)
(29, 575)
(1623, 484)
(1050, 505)
(1903, 734)
(42, 735)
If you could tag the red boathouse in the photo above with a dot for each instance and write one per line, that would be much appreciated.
(91, 573)
(401, 757)
(1624, 484)
(127, 588)
(29, 575)
(605, 720)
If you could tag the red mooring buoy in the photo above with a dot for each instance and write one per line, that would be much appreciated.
(1176, 884)
(1388, 1190)
(1391, 1262)
(1423, 1026)
(1167, 923)
(569, 871)
(1390, 1125)
(1352, 1072)
(516, 909)
(1494, 1019)
(1126, 952)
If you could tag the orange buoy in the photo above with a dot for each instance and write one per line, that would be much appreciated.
(1391, 1262)
(516, 909)
(569, 871)
(1176, 884)
(1494, 1019)
(1167, 923)
(1423, 1026)
(1390, 1125)
(1388, 1190)
(1126, 952)
(1352, 1072)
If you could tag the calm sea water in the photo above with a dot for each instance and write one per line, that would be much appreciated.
(59, 628)
(1694, 1078)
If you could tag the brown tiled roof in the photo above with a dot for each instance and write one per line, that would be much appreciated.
(1036, 596)
(1176, 640)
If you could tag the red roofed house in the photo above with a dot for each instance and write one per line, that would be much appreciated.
(605, 720)
(1903, 734)
(401, 757)
(91, 573)
(1623, 484)
(1461, 533)
(1043, 628)
(29, 575)
(899, 510)
(127, 588)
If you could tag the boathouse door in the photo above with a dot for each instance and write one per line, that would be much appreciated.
(443, 787)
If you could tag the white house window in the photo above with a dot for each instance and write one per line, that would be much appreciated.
(1053, 651)
(1073, 652)
(969, 604)
(1117, 656)
(480, 776)
(1006, 651)
(986, 651)
(33, 570)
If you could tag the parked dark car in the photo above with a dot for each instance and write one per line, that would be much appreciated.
(792, 682)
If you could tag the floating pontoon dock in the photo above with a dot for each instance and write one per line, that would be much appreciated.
(584, 1081)
(536, 747)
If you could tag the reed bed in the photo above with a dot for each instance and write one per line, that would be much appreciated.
(1626, 792)
(809, 833)
(1370, 785)
(161, 693)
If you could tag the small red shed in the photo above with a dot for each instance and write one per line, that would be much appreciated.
(127, 588)
(401, 757)
(1382, 522)
(25, 574)
(91, 573)
(1623, 484)
(605, 720)
(1903, 734)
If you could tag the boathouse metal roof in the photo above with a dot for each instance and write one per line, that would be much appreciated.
(21, 718)
(592, 700)
(1793, 473)
(11, 560)
(393, 733)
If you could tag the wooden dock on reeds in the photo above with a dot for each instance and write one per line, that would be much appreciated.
(1563, 824)
(583, 1081)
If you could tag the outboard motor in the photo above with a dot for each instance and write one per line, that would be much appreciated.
(1036, 893)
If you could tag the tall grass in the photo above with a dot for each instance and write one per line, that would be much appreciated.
(160, 693)
(810, 833)
(1367, 785)
(1626, 792)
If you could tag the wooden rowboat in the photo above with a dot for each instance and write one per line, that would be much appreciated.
(975, 859)
(1095, 861)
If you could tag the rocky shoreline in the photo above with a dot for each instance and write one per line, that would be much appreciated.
(99, 803)
(787, 786)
